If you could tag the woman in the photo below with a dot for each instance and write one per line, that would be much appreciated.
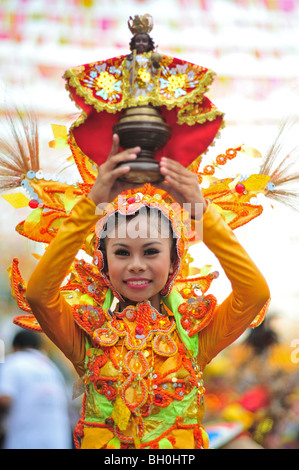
(142, 361)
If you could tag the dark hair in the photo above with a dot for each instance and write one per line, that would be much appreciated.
(27, 339)
(262, 338)
(151, 43)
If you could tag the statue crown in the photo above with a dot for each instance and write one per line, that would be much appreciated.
(140, 24)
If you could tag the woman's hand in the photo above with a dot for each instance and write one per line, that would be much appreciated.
(182, 185)
(107, 186)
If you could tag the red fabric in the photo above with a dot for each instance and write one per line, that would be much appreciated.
(188, 142)
(94, 137)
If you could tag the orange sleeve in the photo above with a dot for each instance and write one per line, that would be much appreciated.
(249, 293)
(50, 308)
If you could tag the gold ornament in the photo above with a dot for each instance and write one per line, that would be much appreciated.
(140, 24)
(121, 414)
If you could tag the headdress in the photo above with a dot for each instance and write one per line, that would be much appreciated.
(52, 198)
(140, 24)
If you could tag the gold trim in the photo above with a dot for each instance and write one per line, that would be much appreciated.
(154, 97)
(200, 118)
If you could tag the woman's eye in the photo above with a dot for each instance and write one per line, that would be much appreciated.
(122, 253)
(151, 251)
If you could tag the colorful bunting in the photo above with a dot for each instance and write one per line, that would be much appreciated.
(88, 24)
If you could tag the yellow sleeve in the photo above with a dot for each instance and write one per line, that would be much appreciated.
(50, 308)
(249, 293)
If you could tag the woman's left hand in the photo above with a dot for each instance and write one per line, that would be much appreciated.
(181, 184)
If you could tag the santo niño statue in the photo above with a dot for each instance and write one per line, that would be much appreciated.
(107, 90)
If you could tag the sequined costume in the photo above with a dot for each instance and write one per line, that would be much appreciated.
(163, 356)
(143, 387)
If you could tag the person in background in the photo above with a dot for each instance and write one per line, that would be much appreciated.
(33, 398)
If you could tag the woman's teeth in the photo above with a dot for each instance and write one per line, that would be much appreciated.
(137, 283)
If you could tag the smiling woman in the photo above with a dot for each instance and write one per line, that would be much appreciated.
(141, 359)
(139, 267)
(139, 254)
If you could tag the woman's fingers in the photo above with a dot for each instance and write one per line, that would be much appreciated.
(183, 184)
(173, 168)
(106, 185)
(115, 153)
(175, 173)
(109, 171)
(119, 171)
(114, 159)
(172, 164)
(115, 145)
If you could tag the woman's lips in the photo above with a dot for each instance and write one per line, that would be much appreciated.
(137, 283)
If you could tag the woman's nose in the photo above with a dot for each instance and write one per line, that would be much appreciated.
(136, 264)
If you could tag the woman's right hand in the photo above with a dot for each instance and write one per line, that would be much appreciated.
(107, 186)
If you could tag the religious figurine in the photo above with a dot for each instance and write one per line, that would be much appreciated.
(142, 56)
(149, 99)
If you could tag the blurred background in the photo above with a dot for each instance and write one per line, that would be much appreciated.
(253, 47)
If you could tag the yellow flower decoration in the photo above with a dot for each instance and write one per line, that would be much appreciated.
(176, 81)
(143, 75)
(106, 81)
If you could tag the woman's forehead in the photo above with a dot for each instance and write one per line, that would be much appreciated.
(147, 226)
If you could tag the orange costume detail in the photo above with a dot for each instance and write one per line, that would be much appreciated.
(137, 366)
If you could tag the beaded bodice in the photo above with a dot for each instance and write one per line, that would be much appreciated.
(137, 369)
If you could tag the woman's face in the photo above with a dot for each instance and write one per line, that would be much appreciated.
(142, 43)
(139, 260)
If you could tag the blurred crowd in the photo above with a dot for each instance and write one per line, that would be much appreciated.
(256, 382)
